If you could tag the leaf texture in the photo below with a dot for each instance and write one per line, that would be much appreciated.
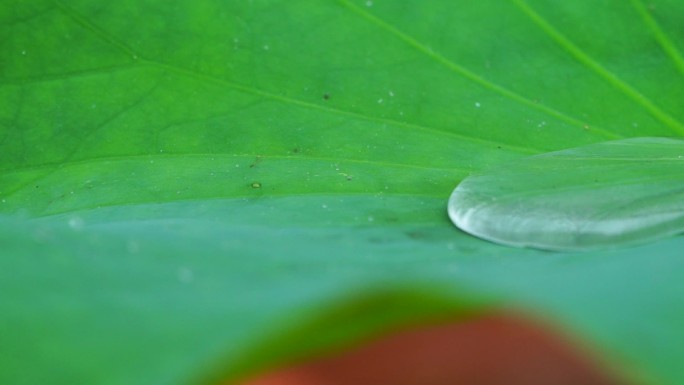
(182, 182)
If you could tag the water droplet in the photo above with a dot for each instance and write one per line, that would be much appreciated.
(391, 94)
(380, 101)
(477, 104)
(603, 195)
(369, 3)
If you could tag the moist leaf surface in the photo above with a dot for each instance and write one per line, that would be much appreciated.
(182, 182)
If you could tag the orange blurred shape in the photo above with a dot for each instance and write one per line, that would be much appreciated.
(487, 350)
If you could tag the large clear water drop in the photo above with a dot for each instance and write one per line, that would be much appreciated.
(604, 195)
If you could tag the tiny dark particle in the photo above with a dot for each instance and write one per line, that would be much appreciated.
(326, 96)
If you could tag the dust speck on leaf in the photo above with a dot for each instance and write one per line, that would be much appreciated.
(256, 184)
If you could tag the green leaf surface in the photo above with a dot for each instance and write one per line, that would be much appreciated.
(603, 195)
(183, 185)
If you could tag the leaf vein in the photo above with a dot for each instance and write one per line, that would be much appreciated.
(671, 122)
(69, 75)
(96, 30)
(300, 103)
(472, 76)
(119, 158)
(137, 58)
(330, 194)
(660, 35)
(83, 141)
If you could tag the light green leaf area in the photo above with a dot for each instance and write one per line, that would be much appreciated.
(199, 190)
(599, 196)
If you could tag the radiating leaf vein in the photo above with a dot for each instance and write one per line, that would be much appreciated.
(84, 140)
(105, 36)
(462, 71)
(118, 158)
(660, 35)
(671, 122)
